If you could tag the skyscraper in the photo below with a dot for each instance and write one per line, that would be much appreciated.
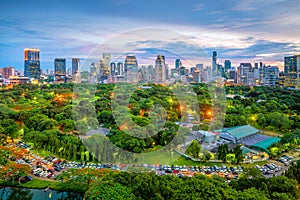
(178, 64)
(150, 72)
(112, 68)
(103, 72)
(131, 69)
(106, 57)
(32, 68)
(233, 75)
(167, 71)
(261, 73)
(214, 64)
(271, 75)
(245, 74)
(159, 70)
(60, 69)
(120, 68)
(292, 70)
(75, 65)
(227, 65)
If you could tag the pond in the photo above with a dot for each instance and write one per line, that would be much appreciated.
(10, 193)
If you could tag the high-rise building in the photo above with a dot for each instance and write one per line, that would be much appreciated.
(93, 68)
(120, 68)
(178, 64)
(150, 73)
(233, 75)
(131, 69)
(196, 75)
(261, 73)
(292, 70)
(256, 75)
(220, 70)
(174, 73)
(143, 74)
(60, 69)
(106, 57)
(271, 75)
(214, 64)
(103, 72)
(75, 65)
(167, 71)
(227, 65)
(245, 74)
(32, 68)
(113, 68)
(159, 70)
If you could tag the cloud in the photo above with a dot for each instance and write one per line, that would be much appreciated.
(244, 6)
(199, 7)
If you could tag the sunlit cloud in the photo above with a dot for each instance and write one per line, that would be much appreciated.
(239, 30)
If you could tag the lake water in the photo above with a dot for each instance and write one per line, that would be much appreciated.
(8, 193)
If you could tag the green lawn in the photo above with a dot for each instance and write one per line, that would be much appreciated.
(38, 184)
(43, 153)
(165, 159)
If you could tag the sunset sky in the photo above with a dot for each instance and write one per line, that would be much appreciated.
(242, 31)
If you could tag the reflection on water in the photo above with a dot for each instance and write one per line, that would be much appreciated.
(8, 193)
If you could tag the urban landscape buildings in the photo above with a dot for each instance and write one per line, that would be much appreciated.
(108, 71)
(32, 68)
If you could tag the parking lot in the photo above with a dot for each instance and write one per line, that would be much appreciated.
(50, 167)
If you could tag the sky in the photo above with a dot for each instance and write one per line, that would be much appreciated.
(242, 31)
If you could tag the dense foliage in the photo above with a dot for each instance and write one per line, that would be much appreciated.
(125, 185)
(51, 116)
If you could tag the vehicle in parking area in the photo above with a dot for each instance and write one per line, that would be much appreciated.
(57, 169)
(50, 175)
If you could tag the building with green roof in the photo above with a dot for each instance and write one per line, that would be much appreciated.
(238, 132)
(248, 136)
(265, 144)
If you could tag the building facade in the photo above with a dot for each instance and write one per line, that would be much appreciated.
(131, 69)
(60, 70)
(32, 68)
(292, 70)
(75, 66)
(160, 66)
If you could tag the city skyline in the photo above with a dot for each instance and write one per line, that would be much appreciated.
(239, 31)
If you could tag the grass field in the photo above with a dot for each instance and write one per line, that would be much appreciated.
(165, 159)
(43, 153)
(39, 184)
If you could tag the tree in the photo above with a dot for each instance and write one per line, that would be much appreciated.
(293, 171)
(9, 127)
(194, 149)
(111, 191)
(207, 156)
(222, 152)
(67, 125)
(238, 154)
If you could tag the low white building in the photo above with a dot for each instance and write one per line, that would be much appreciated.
(208, 137)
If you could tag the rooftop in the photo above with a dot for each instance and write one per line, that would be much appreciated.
(265, 144)
(241, 131)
